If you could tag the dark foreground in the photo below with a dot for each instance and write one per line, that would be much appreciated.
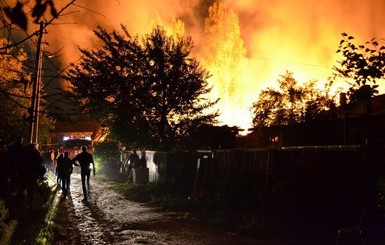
(108, 218)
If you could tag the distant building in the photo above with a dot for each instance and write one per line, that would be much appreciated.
(355, 124)
(64, 130)
(364, 122)
(214, 137)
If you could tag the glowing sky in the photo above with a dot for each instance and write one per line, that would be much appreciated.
(301, 36)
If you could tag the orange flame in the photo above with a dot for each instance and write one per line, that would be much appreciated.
(244, 44)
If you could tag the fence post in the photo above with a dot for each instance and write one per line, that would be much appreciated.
(267, 171)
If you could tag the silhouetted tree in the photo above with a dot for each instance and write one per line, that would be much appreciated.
(148, 91)
(15, 96)
(15, 20)
(19, 16)
(291, 103)
(361, 66)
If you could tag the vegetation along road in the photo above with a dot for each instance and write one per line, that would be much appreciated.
(108, 218)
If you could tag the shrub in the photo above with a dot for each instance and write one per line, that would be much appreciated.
(7, 226)
(107, 158)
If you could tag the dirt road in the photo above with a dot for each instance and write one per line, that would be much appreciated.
(108, 218)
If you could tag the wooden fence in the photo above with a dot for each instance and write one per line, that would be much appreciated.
(246, 173)
(329, 169)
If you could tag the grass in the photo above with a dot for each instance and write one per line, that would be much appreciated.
(263, 218)
(7, 225)
(45, 235)
(35, 226)
(216, 213)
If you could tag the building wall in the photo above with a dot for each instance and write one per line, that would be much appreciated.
(157, 164)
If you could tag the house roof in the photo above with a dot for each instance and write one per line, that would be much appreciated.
(376, 107)
(76, 127)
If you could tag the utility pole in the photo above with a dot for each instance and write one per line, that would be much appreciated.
(34, 110)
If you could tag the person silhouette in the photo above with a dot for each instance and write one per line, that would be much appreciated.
(16, 157)
(30, 171)
(59, 163)
(142, 163)
(65, 170)
(52, 159)
(85, 160)
(134, 159)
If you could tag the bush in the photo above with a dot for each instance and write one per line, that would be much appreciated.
(7, 225)
(107, 158)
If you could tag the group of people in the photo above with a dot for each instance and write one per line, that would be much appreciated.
(20, 169)
(65, 168)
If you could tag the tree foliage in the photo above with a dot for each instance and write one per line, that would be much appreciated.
(362, 66)
(15, 96)
(291, 103)
(20, 14)
(148, 90)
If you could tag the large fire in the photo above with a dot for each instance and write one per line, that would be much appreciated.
(244, 44)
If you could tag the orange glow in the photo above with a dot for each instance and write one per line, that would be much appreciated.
(244, 44)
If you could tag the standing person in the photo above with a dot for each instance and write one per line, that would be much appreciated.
(85, 160)
(30, 171)
(16, 157)
(59, 163)
(52, 159)
(142, 163)
(65, 171)
(133, 158)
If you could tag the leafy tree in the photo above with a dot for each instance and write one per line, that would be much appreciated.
(15, 96)
(362, 66)
(291, 103)
(224, 52)
(17, 16)
(148, 90)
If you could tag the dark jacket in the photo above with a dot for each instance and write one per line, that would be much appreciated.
(66, 167)
(85, 160)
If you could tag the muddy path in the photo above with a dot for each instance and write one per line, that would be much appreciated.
(108, 218)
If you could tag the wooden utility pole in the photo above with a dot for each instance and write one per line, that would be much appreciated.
(34, 110)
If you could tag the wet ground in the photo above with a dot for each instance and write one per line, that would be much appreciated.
(108, 218)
